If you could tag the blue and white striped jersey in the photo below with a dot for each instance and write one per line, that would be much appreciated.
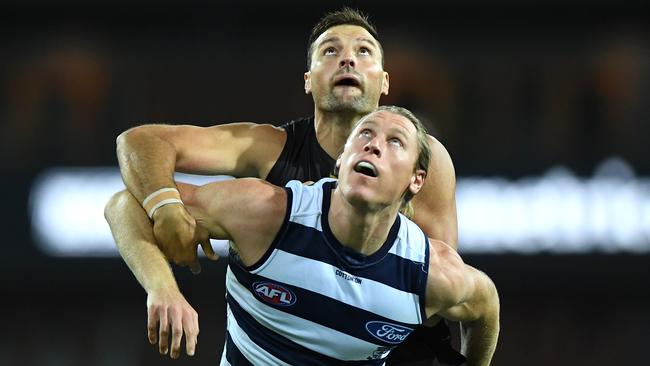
(312, 301)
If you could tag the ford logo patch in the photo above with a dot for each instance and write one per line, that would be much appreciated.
(274, 294)
(387, 332)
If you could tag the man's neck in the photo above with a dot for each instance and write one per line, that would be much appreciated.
(363, 229)
(333, 129)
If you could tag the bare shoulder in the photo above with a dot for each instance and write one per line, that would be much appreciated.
(435, 205)
(440, 165)
(446, 279)
(455, 290)
(252, 212)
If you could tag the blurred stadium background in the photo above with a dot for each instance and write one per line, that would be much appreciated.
(522, 94)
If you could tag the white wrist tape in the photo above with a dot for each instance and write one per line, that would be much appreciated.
(160, 198)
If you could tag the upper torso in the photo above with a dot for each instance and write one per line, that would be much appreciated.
(309, 300)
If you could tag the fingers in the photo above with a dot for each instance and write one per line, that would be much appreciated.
(165, 314)
(207, 249)
(195, 266)
(174, 231)
(177, 334)
(163, 340)
(152, 325)
(191, 326)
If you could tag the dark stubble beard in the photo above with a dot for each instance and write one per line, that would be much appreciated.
(358, 105)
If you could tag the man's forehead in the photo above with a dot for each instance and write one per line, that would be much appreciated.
(338, 32)
(393, 119)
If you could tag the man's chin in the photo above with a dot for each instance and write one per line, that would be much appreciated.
(364, 198)
(348, 105)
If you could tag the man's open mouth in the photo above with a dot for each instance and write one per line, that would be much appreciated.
(347, 81)
(366, 168)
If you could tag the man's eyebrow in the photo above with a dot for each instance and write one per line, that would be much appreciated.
(400, 131)
(367, 122)
(368, 40)
(336, 39)
(333, 39)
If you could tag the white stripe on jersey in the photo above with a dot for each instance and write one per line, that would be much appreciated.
(302, 209)
(253, 353)
(322, 279)
(308, 334)
(224, 361)
(410, 242)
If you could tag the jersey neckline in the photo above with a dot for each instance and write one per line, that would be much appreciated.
(348, 256)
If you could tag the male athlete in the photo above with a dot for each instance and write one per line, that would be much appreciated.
(325, 274)
(345, 78)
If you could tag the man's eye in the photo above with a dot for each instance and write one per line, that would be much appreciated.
(365, 133)
(364, 51)
(395, 141)
(329, 51)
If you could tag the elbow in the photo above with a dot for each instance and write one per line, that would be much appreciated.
(129, 138)
(122, 142)
(112, 207)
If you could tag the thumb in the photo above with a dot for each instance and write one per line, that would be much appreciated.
(195, 266)
(207, 249)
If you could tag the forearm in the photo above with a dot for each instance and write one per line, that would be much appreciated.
(134, 238)
(147, 161)
(479, 337)
(479, 340)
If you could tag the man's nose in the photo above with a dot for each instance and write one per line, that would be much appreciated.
(347, 60)
(373, 148)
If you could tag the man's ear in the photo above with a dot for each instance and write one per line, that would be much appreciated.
(385, 84)
(337, 166)
(417, 181)
(307, 82)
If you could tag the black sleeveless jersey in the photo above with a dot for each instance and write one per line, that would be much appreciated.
(302, 157)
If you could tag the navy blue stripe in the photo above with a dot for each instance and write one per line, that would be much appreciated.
(392, 270)
(282, 347)
(233, 355)
(311, 306)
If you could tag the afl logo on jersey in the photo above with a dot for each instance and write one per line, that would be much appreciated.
(274, 294)
(387, 332)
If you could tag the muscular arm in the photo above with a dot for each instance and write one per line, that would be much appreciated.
(459, 292)
(249, 212)
(136, 243)
(165, 303)
(148, 155)
(435, 204)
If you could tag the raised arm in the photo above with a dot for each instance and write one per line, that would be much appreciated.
(459, 292)
(435, 204)
(149, 155)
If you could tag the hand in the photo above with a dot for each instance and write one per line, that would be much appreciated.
(178, 236)
(171, 310)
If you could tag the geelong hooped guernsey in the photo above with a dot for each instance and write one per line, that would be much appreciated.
(311, 301)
